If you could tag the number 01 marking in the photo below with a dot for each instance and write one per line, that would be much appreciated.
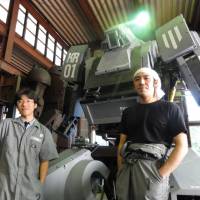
(69, 70)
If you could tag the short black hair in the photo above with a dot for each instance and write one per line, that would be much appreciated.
(27, 92)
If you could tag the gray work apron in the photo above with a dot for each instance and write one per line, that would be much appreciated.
(139, 179)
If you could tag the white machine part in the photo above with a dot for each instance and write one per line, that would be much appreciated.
(74, 176)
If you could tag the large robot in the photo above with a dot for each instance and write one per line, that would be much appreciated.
(102, 82)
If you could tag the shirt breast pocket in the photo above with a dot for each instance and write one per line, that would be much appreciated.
(35, 147)
(159, 124)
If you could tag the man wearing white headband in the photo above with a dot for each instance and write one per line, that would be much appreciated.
(148, 129)
(158, 92)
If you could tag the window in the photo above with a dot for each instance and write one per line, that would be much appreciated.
(50, 47)
(30, 29)
(193, 110)
(58, 54)
(64, 56)
(41, 39)
(195, 138)
(4, 7)
(20, 20)
(192, 107)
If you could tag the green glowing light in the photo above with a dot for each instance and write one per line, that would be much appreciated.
(142, 19)
(140, 24)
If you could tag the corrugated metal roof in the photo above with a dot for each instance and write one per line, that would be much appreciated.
(84, 21)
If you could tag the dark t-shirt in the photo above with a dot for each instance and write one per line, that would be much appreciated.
(157, 122)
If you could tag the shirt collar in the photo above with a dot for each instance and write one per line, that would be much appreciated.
(30, 123)
(20, 121)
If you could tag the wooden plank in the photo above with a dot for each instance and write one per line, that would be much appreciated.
(9, 68)
(91, 18)
(12, 19)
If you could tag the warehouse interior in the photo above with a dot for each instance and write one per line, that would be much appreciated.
(37, 37)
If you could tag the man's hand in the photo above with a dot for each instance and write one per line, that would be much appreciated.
(120, 146)
(177, 155)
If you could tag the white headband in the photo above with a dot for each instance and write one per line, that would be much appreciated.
(159, 93)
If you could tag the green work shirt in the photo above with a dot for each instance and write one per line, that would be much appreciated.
(21, 151)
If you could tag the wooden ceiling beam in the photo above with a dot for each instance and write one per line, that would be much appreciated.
(91, 20)
(5, 66)
(9, 41)
(3, 28)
